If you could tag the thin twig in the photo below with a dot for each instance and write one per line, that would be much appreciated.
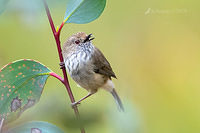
(57, 76)
(65, 82)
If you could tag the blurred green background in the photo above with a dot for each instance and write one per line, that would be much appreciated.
(153, 47)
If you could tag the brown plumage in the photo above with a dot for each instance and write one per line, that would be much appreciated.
(88, 67)
(102, 66)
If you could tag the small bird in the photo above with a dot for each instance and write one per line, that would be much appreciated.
(88, 67)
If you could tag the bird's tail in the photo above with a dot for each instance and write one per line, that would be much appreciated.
(117, 100)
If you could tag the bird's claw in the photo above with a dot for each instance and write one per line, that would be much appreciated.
(62, 65)
(73, 105)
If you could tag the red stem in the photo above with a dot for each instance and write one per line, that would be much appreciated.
(65, 81)
(57, 76)
(61, 26)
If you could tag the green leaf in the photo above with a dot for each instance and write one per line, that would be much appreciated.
(21, 85)
(83, 11)
(3, 4)
(35, 127)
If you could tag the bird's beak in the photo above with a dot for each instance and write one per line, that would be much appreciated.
(88, 38)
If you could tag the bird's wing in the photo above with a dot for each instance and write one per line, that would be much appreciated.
(101, 65)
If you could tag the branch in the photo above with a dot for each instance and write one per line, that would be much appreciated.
(65, 82)
(57, 76)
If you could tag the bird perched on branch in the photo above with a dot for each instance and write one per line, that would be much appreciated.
(88, 67)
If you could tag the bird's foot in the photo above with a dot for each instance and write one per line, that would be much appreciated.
(62, 65)
(75, 104)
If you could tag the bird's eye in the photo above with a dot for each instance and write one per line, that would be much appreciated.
(77, 41)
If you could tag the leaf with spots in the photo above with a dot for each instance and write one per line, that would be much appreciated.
(35, 127)
(21, 85)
